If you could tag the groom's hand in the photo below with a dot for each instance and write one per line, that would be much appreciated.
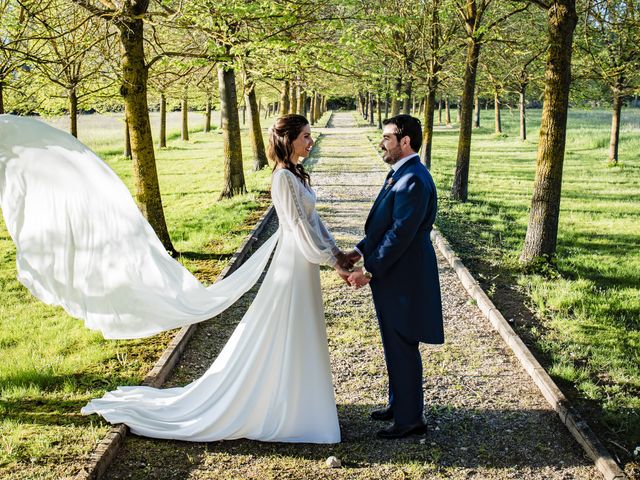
(344, 273)
(358, 279)
(341, 257)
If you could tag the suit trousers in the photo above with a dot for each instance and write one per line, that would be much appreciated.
(404, 367)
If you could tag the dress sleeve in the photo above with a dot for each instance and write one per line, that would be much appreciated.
(312, 237)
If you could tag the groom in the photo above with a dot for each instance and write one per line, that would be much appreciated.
(401, 268)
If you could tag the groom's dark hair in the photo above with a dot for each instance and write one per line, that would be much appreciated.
(407, 125)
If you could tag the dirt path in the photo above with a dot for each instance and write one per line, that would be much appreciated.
(487, 419)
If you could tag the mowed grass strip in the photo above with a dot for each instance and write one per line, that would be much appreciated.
(587, 313)
(50, 364)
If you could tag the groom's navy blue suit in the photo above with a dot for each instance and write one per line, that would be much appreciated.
(398, 252)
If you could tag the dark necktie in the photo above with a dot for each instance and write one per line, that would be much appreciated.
(386, 180)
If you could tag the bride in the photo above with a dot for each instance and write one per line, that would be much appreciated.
(271, 381)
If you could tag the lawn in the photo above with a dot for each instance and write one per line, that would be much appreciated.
(585, 321)
(50, 365)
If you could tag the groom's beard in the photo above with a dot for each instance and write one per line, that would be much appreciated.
(391, 156)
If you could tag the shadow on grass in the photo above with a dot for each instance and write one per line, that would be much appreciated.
(49, 407)
(44, 412)
(46, 382)
(205, 256)
(458, 438)
(490, 253)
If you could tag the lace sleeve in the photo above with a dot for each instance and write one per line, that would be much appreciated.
(326, 236)
(314, 240)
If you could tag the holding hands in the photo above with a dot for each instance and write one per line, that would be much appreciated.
(355, 277)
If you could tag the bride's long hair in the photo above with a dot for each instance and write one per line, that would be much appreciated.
(281, 137)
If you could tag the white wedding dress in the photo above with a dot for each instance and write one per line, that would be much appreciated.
(82, 244)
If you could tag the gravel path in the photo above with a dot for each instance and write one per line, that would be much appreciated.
(487, 419)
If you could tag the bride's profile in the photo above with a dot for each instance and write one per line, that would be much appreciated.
(271, 381)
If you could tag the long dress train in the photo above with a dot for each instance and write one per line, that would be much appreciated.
(272, 380)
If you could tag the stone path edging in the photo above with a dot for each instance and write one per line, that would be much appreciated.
(577, 426)
(106, 450)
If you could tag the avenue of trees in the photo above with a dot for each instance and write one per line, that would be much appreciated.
(258, 57)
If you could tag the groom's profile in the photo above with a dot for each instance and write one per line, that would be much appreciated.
(401, 268)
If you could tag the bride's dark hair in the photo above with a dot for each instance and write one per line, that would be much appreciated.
(281, 137)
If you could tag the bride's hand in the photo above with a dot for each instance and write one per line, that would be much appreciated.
(343, 272)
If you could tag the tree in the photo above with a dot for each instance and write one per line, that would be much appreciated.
(611, 42)
(207, 84)
(165, 74)
(234, 31)
(16, 45)
(128, 17)
(437, 29)
(69, 55)
(234, 182)
(518, 60)
(473, 14)
(542, 231)
(255, 131)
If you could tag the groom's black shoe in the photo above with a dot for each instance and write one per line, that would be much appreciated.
(395, 431)
(382, 414)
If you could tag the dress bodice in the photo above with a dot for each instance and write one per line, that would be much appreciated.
(295, 204)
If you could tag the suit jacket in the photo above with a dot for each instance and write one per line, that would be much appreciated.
(397, 250)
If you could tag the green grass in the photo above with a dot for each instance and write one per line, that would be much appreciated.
(50, 365)
(587, 325)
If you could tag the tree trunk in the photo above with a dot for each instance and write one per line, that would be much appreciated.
(127, 140)
(163, 120)
(73, 112)
(440, 111)
(207, 116)
(476, 112)
(427, 132)
(371, 109)
(312, 114)
(496, 103)
(185, 116)
(386, 106)
(542, 231)
(284, 98)
(232, 146)
(379, 104)
(300, 106)
(293, 98)
(303, 103)
(459, 190)
(255, 131)
(395, 104)
(447, 111)
(458, 110)
(523, 113)
(1, 97)
(615, 127)
(406, 106)
(319, 107)
(134, 91)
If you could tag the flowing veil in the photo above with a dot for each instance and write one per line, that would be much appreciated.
(83, 244)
